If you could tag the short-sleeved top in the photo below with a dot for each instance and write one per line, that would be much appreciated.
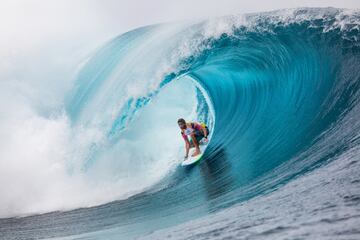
(194, 126)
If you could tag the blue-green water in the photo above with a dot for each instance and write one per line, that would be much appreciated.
(280, 92)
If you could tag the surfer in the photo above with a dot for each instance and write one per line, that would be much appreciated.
(196, 131)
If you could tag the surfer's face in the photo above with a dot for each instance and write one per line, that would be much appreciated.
(182, 125)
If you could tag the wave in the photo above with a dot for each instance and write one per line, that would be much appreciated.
(279, 90)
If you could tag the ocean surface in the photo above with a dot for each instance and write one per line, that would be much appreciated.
(280, 92)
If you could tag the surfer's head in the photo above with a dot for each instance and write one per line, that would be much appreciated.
(182, 123)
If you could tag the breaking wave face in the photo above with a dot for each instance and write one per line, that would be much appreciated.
(279, 91)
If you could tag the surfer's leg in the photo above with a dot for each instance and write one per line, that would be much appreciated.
(196, 143)
(199, 135)
(191, 144)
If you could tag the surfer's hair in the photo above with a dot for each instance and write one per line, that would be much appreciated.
(181, 120)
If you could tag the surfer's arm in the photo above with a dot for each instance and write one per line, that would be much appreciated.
(187, 144)
(199, 127)
(204, 131)
(187, 148)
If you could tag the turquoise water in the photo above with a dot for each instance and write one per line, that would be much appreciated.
(280, 93)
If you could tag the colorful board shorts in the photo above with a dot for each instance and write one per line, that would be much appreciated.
(199, 135)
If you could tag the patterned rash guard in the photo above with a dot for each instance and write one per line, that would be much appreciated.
(196, 127)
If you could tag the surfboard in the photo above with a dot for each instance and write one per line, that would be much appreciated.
(192, 160)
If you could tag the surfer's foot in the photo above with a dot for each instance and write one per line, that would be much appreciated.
(197, 152)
